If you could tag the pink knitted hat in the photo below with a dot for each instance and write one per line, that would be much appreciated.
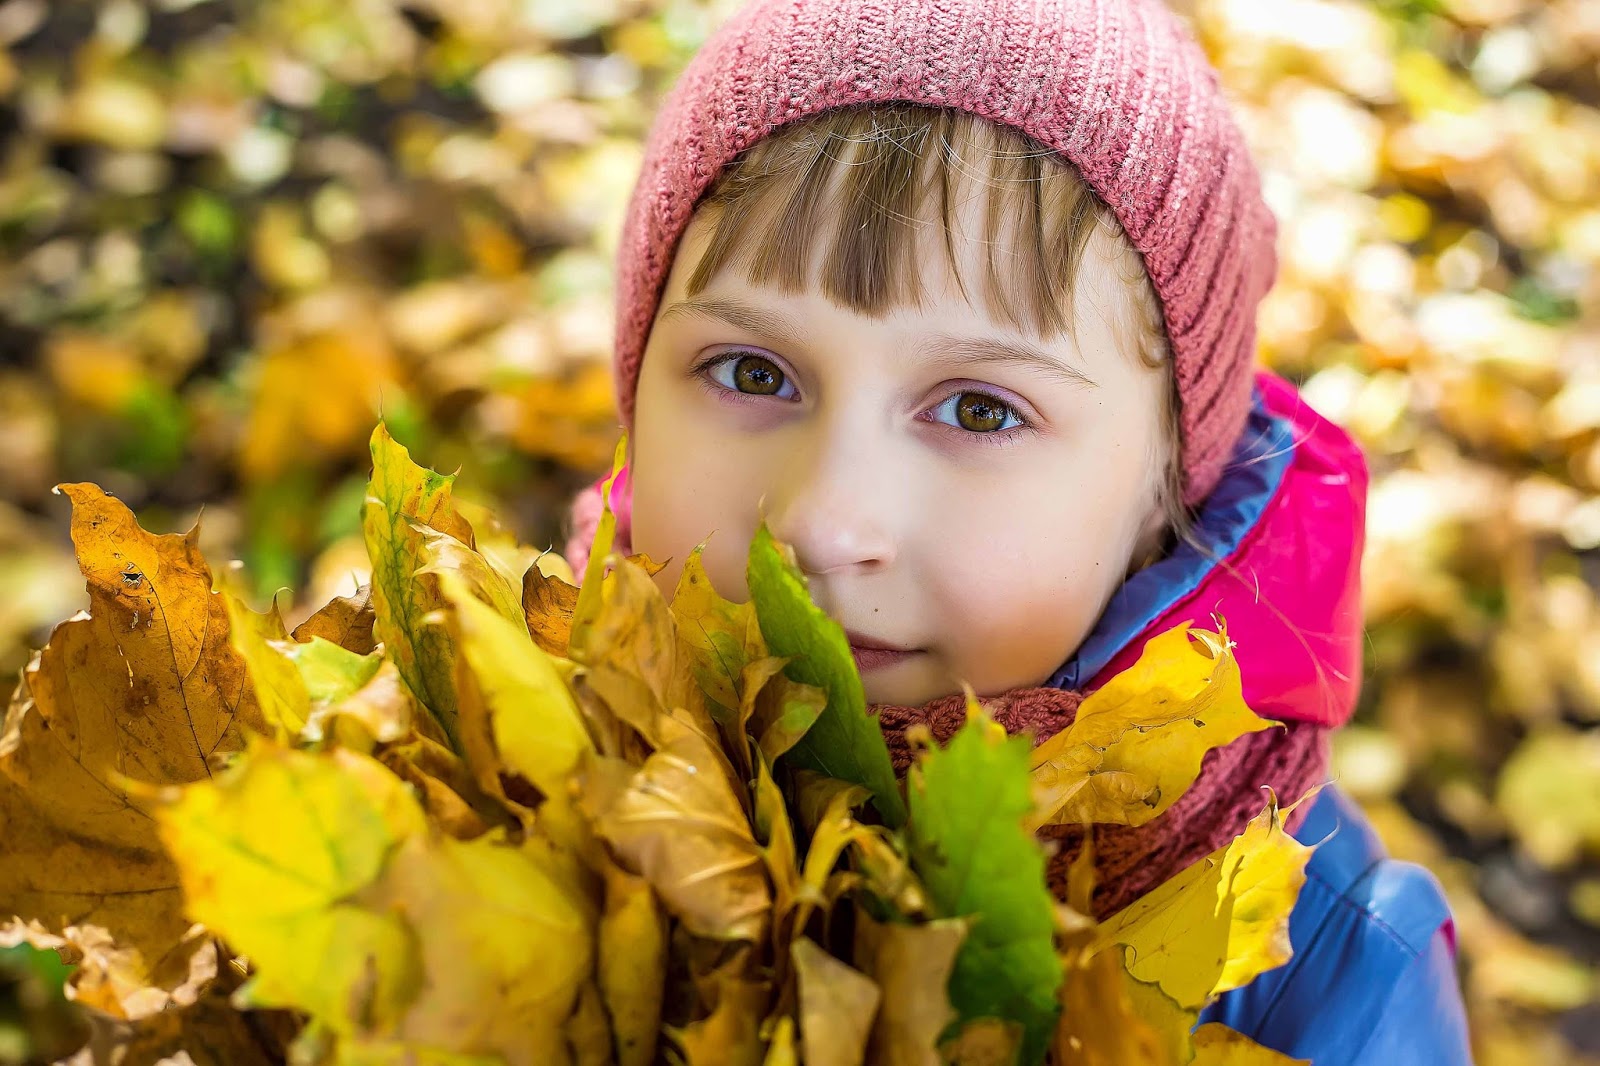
(1118, 87)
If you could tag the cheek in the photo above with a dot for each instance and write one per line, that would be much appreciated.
(1019, 590)
(689, 486)
(1017, 610)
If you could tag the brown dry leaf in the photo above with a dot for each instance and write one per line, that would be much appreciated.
(911, 966)
(210, 1032)
(547, 604)
(343, 620)
(837, 1006)
(629, 651)
(145, 685)
(631, 635)
(110, 978)
(443, 784)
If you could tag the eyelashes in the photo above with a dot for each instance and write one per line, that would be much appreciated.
(747, 377)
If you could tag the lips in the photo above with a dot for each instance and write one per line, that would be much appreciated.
(871, 654)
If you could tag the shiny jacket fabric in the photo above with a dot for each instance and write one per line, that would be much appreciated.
(1276, 556)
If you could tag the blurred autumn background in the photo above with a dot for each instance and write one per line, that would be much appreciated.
(234, 232)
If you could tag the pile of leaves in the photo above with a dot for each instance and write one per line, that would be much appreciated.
(480, 815)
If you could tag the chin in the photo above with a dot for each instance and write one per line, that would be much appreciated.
(904, 692)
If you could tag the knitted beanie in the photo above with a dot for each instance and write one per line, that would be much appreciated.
(1118, 87)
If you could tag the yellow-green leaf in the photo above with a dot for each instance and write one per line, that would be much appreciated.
(534, 722)
(402, 500)
(271, 855)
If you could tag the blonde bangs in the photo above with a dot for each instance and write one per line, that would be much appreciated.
(893, 166)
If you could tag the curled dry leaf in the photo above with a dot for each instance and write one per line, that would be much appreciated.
(677, 822)
(731, 1034)
(111, 978)
(343, 620)
(548, 602)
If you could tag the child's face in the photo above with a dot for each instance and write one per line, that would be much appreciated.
(975, 510)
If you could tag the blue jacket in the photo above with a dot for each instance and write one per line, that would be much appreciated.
(1276, 553)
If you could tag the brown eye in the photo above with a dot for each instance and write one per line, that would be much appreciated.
(756, 375)
(978, 413)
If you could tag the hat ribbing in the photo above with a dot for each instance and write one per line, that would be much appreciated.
(1118, 87)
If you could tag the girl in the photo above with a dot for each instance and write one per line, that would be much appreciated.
(960, 295)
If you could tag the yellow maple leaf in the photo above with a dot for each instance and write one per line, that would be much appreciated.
(1220, 922)
(1136, 743)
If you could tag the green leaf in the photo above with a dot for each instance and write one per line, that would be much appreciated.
(968, 845)
(845, 742)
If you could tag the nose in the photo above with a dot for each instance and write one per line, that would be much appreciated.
(834, 505)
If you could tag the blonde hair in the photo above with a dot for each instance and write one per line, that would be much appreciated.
(771, 202)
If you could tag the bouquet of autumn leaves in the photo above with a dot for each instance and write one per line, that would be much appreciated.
(476, 814)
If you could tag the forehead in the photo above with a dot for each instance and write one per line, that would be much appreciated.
(894, 212)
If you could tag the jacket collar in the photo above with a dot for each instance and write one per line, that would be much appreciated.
(1275, 553)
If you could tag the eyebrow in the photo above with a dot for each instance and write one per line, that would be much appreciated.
(985, 351)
